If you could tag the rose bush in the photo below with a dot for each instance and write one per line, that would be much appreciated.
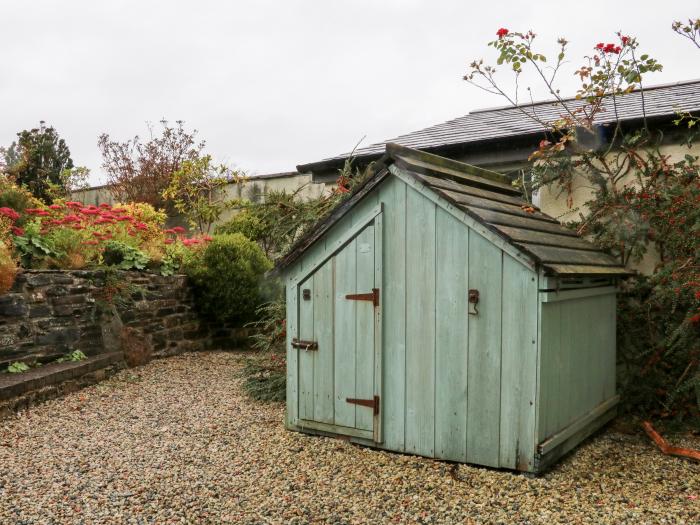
(641, 200)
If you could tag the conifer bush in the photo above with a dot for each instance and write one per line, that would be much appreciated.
(227, 276)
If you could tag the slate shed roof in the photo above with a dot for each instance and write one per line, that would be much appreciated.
(508, 122)
(488, 198)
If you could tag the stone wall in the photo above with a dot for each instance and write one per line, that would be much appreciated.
(49, 313)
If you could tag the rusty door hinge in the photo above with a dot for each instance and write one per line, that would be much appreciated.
(371, 403)
(372, 296)
(304, 345)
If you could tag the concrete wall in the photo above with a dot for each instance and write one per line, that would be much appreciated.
(253, 189)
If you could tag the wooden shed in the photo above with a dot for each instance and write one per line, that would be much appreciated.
(434, 313)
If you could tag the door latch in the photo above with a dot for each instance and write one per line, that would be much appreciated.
(473, 301)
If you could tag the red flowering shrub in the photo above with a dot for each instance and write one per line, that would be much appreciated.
(74, 235)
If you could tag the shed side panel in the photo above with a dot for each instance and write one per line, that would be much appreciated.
(577, 359)
(484, 374)
(451, 337)
(518, 366)
(420, 324)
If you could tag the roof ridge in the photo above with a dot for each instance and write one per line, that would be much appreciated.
(555, 101)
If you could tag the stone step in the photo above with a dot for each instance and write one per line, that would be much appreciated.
(13, 385)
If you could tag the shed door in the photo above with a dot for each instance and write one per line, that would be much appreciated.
(339, 339)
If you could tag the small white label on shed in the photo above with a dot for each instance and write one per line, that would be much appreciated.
(364, 247)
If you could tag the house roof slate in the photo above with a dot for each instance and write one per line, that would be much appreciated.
(507, 122)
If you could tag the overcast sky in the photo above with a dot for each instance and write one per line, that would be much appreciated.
(271, 84)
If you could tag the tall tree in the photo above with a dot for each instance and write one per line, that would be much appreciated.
(38, 160)
(141, 171)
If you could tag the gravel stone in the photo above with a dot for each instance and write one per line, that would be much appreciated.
(177, 441)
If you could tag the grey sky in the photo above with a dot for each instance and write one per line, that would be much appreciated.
(270, 84)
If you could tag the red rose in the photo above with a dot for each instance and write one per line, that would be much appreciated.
(625, 40)
(695, 319)
(501, 32)
(17, 230)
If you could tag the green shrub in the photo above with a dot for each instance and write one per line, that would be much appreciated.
(123, 256)
(227, 277)
(264, 372)
(17, 198)
(33, 248)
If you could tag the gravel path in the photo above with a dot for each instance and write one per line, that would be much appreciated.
(176, 442)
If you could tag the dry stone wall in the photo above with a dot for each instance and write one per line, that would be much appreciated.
(50, 313)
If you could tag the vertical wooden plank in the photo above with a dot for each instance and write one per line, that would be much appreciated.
(323, 334)
(292, 353)
(551, 370)
(345, 283)
(518, 366)
(364, 328)
(393, 195)
(306, 359)
(609, 346)
(378, 358)
(451, 337)
(420, 324)
(484, 373)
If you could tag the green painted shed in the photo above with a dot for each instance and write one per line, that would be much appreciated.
(433, 312)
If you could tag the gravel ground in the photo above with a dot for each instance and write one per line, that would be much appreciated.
(177, 442)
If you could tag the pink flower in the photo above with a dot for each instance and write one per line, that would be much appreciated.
(178, 229)
(56, 207)
(168, 241)
(17, 230)
(89, 211)
(9, 213)
(105, 205)
(73, 204)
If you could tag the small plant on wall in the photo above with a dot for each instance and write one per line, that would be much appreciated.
(17, 368)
